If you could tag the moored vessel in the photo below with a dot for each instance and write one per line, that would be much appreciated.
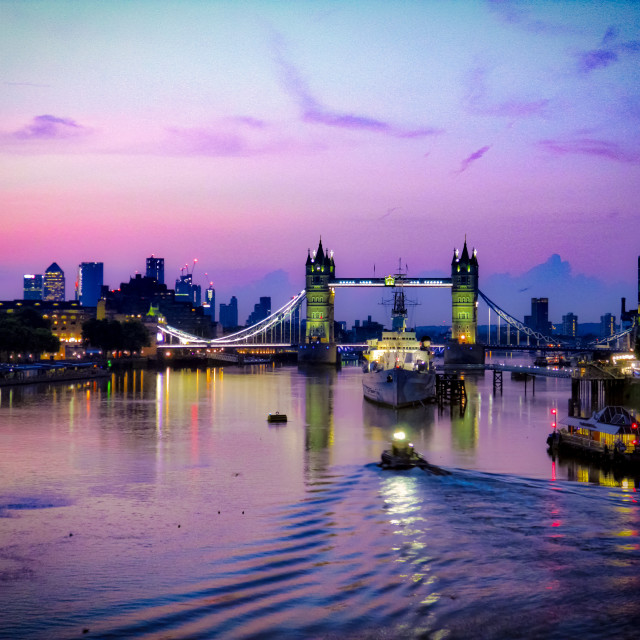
(398, 369)
(610, 435)
(277, 417)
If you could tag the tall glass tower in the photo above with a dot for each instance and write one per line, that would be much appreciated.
(53, 285)
(210, 302)
(32, 286)
(155, 269)
(90, 281)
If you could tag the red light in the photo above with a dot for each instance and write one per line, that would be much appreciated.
(634, 426)
(553, 412)
(553, 424)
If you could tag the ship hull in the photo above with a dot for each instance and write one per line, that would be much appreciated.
(399, 387)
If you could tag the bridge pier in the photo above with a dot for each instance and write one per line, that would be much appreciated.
(497, 381)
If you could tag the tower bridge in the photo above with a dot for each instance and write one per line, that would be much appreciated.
(390, 281)
(317, 345)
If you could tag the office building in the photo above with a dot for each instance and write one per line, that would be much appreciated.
(229, 314)
(209, 304)
(145, 299)
(570, 325)
(66, 319)
(186, 290)
(539, 318)
(53, 284)
(155, 268)
(607, 325)
(90, 280)
(32, 287)
(261, 310)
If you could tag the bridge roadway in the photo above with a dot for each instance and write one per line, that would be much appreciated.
(550, 348)
(268, 350)
(549, 372)
(391, 281)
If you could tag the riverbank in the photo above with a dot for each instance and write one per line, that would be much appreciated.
(21, 374)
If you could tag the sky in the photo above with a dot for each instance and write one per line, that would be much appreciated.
(240, 132)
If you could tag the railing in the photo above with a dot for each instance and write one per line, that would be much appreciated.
(519, 326)
(528, 331)
(280, 319)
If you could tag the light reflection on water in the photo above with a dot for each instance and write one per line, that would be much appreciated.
(164, 505)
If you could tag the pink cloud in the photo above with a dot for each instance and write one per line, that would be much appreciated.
(591, 147)
(48, 127)
(206, 142)
(232, 137)
(479, 103)
(476, 155)
(590, 60)
(314, 112)
(518, 14)
(607, 53)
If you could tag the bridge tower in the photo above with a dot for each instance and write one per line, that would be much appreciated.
(463, 347)
(319, 346)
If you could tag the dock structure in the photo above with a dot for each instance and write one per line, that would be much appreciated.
(497, 381)
(594, 385)
(451, 389)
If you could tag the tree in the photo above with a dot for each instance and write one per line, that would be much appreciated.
(26, 332)
(111, 335)
(134, 336)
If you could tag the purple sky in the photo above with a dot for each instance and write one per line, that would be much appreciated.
(239, 132)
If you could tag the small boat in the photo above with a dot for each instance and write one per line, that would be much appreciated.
(399, 371)
(551, 361)
(277, 417)
(402, 455)
(610, 434)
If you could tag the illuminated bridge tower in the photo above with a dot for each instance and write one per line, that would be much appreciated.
(319, 346)
(463, 347)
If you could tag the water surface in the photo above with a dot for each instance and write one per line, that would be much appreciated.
(165, 506)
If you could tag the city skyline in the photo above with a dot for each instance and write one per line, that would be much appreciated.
(238, 133)
(565, 292)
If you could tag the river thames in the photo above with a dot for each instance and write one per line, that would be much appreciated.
(163, 505)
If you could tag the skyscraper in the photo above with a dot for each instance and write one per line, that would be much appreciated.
(607, 325)
(570, 325)
(90, 281)
(32, 287)
(261, 310)
(186, 290)
(53, 285)
(155, 269)
(539, 318)
(209, 303)
(229, 313)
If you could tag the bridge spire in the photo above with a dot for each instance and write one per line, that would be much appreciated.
(319, 345)
(463, 348)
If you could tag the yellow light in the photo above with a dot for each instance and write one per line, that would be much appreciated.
(399, 435)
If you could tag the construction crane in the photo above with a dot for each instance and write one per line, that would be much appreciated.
(186, 268)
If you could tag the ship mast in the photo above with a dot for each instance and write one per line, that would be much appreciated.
(399, 310)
